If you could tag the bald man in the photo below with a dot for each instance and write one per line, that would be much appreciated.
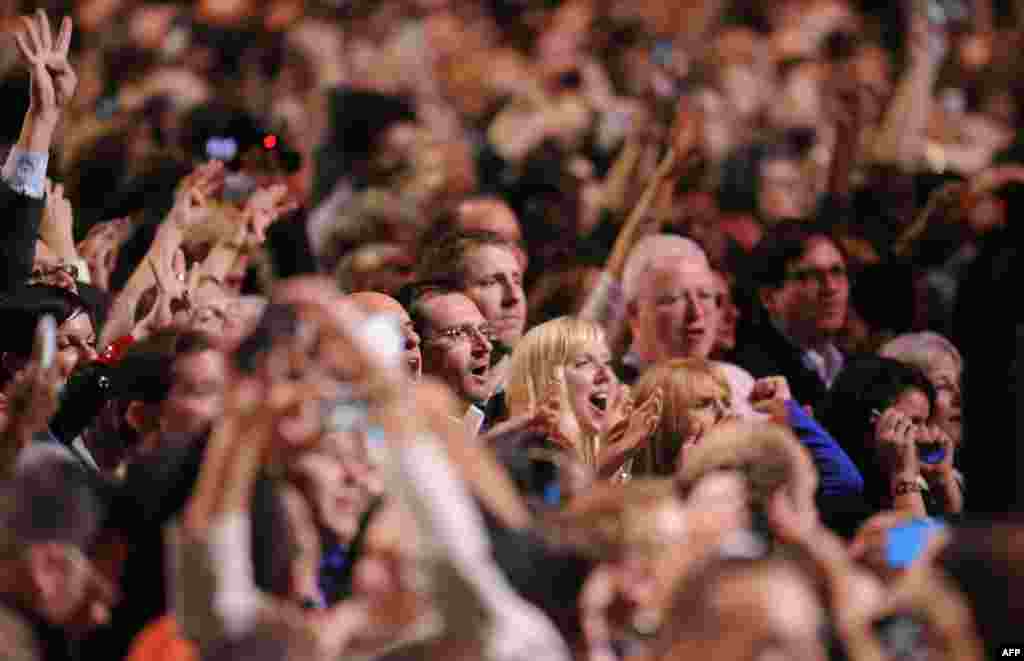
(375, 303)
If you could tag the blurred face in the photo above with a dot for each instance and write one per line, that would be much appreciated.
(785, 192)
(77, 597)
(948, 415)
(196, 396)
(769, 615)
(744, 90)
(76, 343)
(336, 486)
(720, 129)
(649, 568)
(675, 316)
(813, 301)
(592, 386)
(456, 346)
(494, 281)
(801, 103)
(729, 314)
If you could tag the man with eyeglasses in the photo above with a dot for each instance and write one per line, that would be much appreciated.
(671, 306)
(803, 289)
(456, 343)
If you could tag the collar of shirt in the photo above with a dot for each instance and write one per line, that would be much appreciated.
(826, 363)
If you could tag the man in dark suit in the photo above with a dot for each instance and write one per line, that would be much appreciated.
(802, 289)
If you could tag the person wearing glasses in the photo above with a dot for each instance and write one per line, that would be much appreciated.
(671, 302)
(456, 342)
(803, 291)
(488, 268)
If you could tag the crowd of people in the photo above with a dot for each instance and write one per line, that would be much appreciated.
(517, 330)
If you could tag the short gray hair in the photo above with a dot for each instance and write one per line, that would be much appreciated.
(653, 251)
(922, 350)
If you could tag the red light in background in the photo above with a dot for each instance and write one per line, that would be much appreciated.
(270, 142)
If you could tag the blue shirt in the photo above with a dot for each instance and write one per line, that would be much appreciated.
(837, 473)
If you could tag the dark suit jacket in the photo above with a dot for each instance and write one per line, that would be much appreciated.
(20, 216)
(763, 350)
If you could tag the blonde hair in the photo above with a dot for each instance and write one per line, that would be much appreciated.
(540, 353)
(683, 382)
(538, 356)
(766, 454)
(922, 350)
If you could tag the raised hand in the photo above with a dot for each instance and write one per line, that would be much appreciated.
(56, 229)
(264, 208)
(53, 79)
(30, 400)
(100, 246)
(769, 396)
(554, 420)
(171, 296)
(193, 198)
(629, 435)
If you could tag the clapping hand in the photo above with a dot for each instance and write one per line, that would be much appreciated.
(629, 435)
(265, 207)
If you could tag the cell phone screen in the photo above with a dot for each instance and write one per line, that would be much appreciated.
(905, 543)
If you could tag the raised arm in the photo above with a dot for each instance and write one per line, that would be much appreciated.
(604, 305)
(189, 208)
(901, 138)
(53, 83)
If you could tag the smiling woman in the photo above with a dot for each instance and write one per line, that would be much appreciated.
(21, 310)
(575, 354)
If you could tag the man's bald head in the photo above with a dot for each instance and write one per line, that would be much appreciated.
(372, 303)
